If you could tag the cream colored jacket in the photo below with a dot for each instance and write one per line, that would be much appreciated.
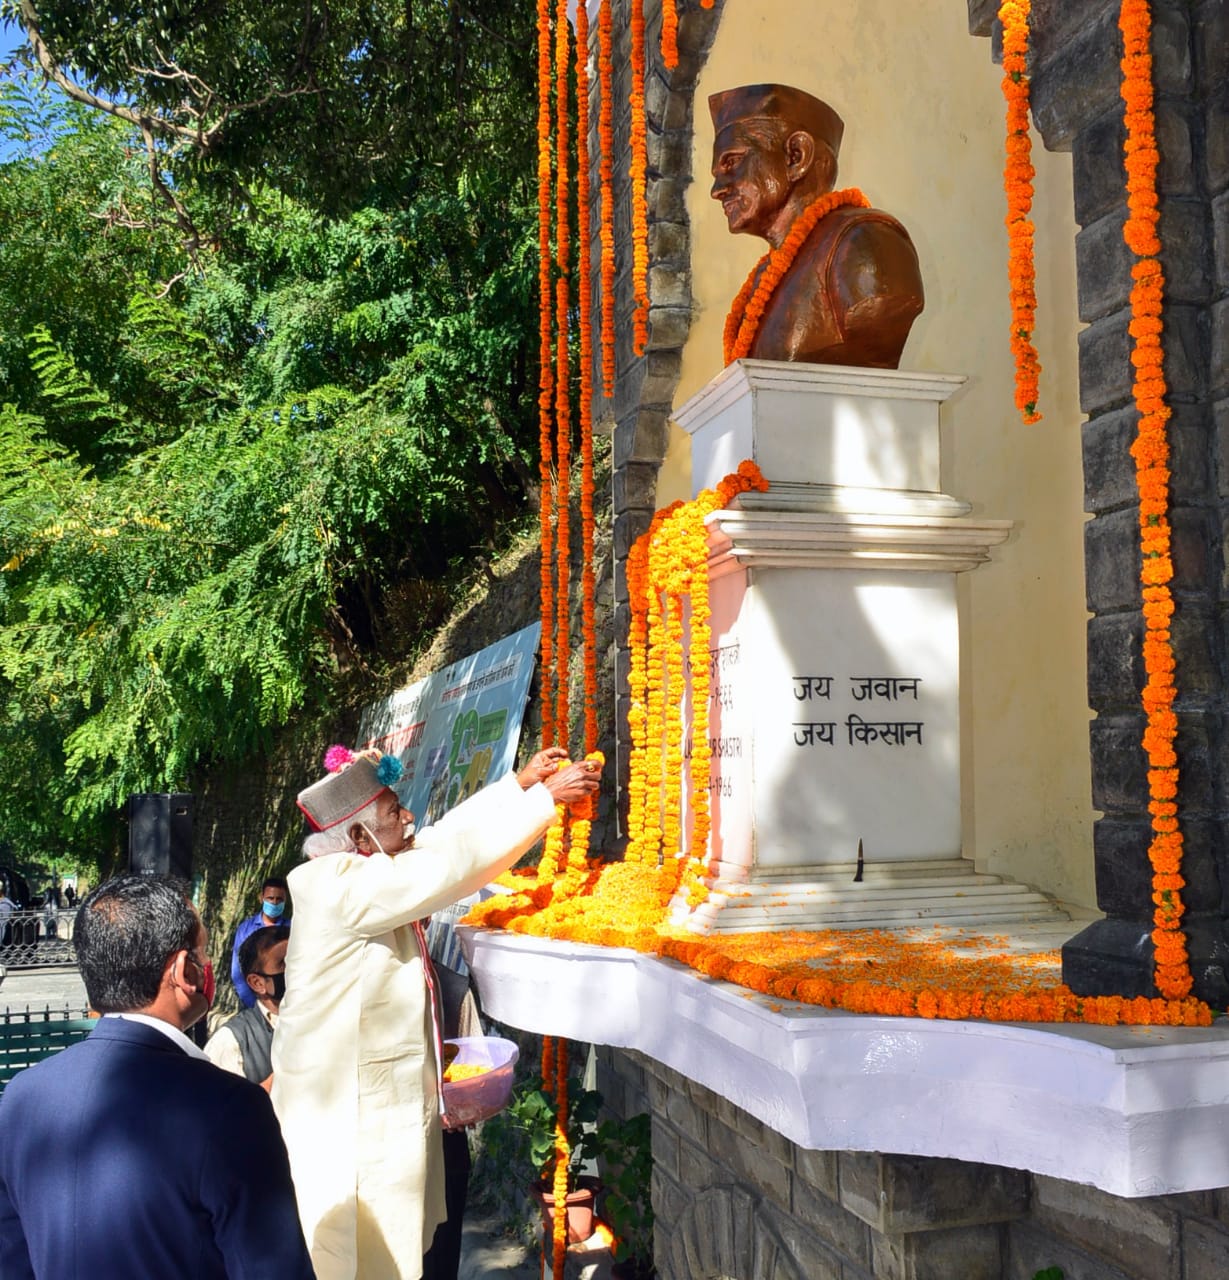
(354, 1072)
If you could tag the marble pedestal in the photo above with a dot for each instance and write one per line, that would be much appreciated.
(835, 698)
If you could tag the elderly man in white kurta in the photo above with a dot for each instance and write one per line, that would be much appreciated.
(355, 1066)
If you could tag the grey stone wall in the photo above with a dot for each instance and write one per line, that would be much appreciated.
(735, 1199)
(1076, 75)
(644, 386)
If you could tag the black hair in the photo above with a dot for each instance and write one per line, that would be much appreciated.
(126, 931)
(253, 948)
(275, 882)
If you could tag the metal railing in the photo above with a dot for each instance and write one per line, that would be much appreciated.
(33, 939)
(29, 1035)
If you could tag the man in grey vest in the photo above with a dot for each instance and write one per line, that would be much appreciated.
(243, 1044)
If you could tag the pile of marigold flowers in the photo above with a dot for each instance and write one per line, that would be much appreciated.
(912, 973)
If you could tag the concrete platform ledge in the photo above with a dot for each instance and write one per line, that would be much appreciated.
(1135, 1111)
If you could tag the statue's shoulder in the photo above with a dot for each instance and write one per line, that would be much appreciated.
(856, 253)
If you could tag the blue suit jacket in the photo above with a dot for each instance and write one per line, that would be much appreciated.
(123, 1158)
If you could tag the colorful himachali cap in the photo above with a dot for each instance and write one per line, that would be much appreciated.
(352, 783)
(799, 110)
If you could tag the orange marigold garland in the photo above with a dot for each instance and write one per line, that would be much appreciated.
(668, 570)
(546, 387)
(747, 310)
(606, 174)
(639, 184)
(563, 1156)
(588, 579)
(1018, 183)
(669, 34)
(563, 420)
(1151, 454)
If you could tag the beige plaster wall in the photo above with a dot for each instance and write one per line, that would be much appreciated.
(924, 140)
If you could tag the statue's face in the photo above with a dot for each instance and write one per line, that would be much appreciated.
(750, 178)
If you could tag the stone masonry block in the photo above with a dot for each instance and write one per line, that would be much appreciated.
(749, 1163)
(1219, 365)
(982, 14)
(667, 198)
(1111, 561)
(668, 327)
(697, 1169)
(1203, 855)
(1196, 746)
(1176, 173)
(1186, 361)
(661, 373)
(1210, 24)
(1080, 79)
(1030, 1250)
(686, 1117)
(1119, 767)
(668, 242)
(1205, 1250)
(1097, 168)
(1143, 1235)
(665, 1148)
(1123, 872)
(1109, 469)
(635, 486)
(895, 1194)
(817, 1169)
(1115, 661)
(1220, 241)
(972, 1253)
(642, 439)
(1192, 457)
(1216, 144)
(669, 286)
(1103, 267)
(1198, 650)
(1172, 64)
(629, 525)
(755, 1131)
(1187, 251)
(670, 153)
(1195, 544)
(800, 1253)
(837, 1227)
(1105, 364)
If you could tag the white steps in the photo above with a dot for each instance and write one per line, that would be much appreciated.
(889, 896)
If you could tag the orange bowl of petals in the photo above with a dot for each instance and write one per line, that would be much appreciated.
(477, 1078)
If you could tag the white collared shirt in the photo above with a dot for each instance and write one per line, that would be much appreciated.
(173, 1034)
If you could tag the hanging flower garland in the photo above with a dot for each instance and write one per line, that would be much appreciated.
(639, 184)
(588, 578)
(669, 34)
(747, 309)
(605, 130)
(563, 388)
(546, 387)
(1151, 454)
(668, 574)
(1018, 182)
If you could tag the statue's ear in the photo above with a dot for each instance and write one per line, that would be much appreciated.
(799, 154)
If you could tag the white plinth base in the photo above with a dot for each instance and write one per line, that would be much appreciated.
(1135, 1111)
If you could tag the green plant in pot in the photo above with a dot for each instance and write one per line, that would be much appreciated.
(626, 1147)
(532, 1112)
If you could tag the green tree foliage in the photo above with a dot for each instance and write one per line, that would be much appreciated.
(327, 103)
(210, 480)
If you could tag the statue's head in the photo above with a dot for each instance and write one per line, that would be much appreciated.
(773, 144)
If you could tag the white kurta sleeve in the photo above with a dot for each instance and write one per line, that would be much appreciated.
(222, 1049)
(456, 856)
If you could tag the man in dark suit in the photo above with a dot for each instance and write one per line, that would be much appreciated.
(130, 1156)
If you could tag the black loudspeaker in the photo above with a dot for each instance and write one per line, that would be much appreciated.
(160, 834)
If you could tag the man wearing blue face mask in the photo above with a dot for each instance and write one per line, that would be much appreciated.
(243, 1044)
(274, 899)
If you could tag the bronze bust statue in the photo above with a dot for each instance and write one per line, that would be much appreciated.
(841, 283)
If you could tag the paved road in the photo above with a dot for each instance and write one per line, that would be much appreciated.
(40, 988)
